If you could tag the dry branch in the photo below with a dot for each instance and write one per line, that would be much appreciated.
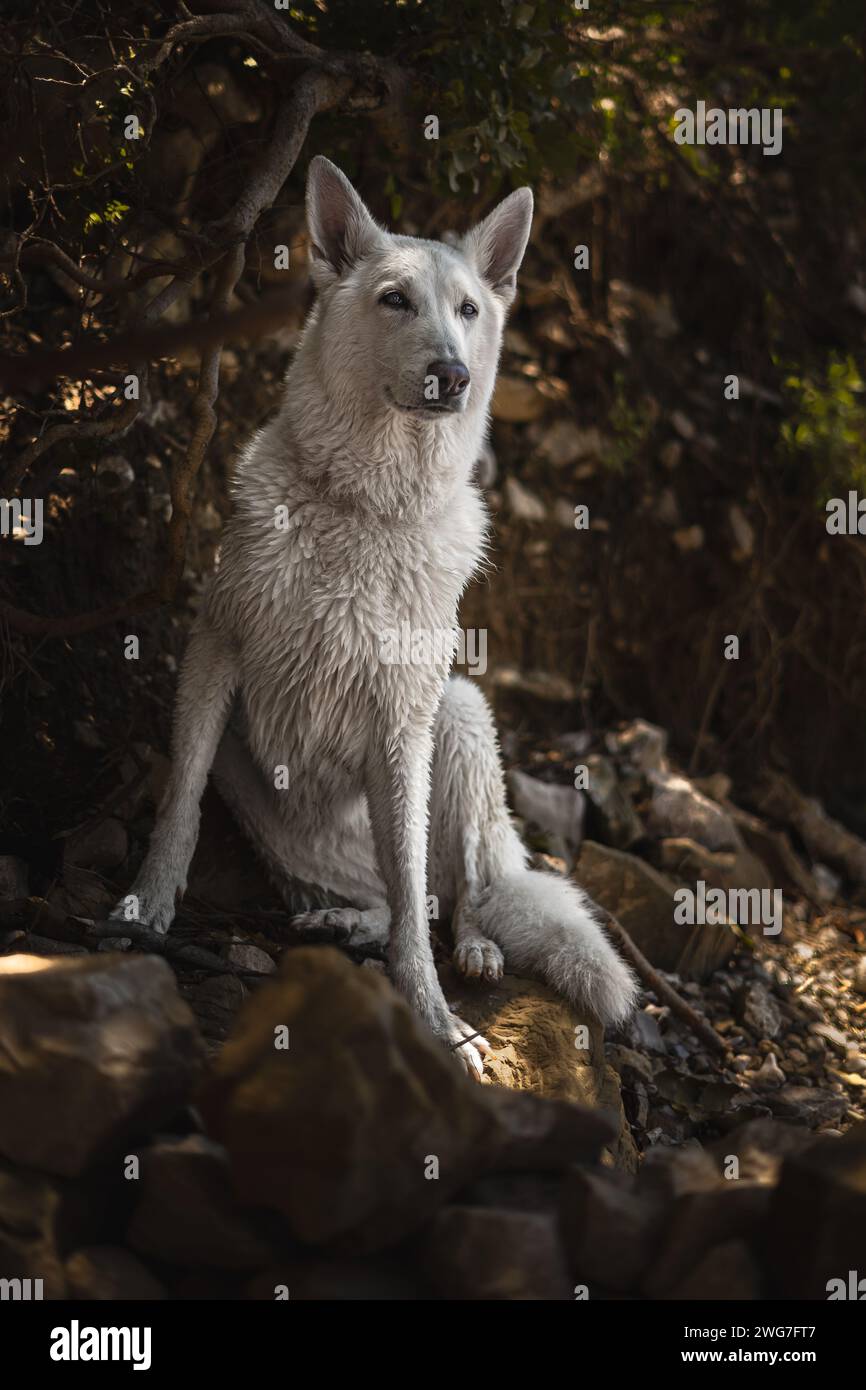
(328, 80)
(660, 987)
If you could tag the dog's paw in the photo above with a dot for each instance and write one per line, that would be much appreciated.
(330, 924)
(467, 1045)
(146, 910)
(349, 926)
(479, 958)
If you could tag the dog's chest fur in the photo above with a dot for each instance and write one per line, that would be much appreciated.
(309, 589)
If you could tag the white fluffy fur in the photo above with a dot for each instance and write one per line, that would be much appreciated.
(284, 663)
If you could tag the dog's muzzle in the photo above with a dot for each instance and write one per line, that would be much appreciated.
(453, 378)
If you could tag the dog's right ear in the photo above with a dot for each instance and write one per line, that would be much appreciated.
(341, 229)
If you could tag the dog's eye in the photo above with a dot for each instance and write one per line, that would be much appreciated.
(468, 310)
(394, 300)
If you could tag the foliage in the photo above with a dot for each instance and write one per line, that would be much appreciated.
(826, 425)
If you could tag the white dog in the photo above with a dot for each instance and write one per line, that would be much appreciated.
(355, 516)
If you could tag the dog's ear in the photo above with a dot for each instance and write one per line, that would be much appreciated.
(341, 229)
(497, 244)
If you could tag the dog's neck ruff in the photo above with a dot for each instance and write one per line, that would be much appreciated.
(372, 457)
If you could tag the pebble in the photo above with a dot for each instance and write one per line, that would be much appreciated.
(770, 1074)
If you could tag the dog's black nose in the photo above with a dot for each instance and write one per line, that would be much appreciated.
(453, 378)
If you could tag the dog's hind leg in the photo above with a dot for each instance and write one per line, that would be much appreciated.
(542, 923)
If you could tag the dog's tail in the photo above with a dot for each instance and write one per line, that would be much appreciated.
(544, 926)
(542, 923)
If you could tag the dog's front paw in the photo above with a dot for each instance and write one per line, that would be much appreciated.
(155, 911)
(479, 958)
(467, 1044)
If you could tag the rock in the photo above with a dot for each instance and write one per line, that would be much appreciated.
(341, 1129)
(564, 443)
(215, 1002)
(643, 901)
(860, 976)
(486, 467)
(816, 1229)
(769, 1075)
(103, 1045)
(727, 1271)
(612, 818)
(690, 862)
(610, 1233)
(773, 849)
(107, 1272)
(102, 846)
(187, 1213)
(678, 810)
(697, 1222)
(114, 474)
(644, 1033)
(87, 735)
(759, 1147)
(517, 399)
(312, 1276)
(683, 425)
(82, 893)
(249, 957)
(671, 454)
(555, 810)
(757, 1009)
(480, 1253)
(13, 878)
(563, 512)
(667, 508)
(641, 746)
(688, 538)
(826, 839)
(30, 1221)
(675, 1172)
(629, 1063)
(523, 504)
(743, 532)
(834, 1036)
(542, 685)
(828, 884)
(545, 1135)
(533, 1035)
(716, 785)
(517, 1190)
(808, 1105)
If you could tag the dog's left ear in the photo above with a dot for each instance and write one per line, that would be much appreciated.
(341, 229)
(497, 244)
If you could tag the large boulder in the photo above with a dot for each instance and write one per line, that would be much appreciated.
(93, 1050)
(340, 1109)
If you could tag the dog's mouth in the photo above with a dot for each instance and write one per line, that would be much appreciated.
(454, 407)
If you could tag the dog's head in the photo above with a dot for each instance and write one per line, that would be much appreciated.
(410, 325)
